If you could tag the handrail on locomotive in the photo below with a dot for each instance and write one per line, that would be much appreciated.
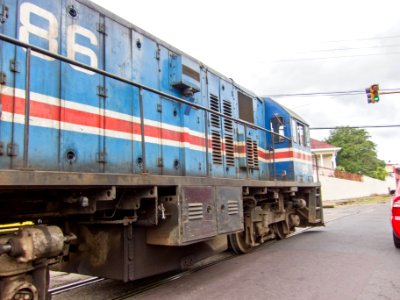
(141, 87)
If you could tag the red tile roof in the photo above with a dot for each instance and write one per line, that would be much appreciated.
(315, 144)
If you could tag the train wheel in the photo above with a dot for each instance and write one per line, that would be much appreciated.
(279, 229)
(238, 243)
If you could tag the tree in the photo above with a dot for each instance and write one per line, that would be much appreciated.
(358, 154)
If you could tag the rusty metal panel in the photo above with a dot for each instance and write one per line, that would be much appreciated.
(189, 218)
(198, 213)
(230, 209)
(167, 232)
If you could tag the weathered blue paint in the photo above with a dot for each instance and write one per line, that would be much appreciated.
(73, 112)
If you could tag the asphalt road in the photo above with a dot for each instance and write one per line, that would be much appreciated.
(353, 257)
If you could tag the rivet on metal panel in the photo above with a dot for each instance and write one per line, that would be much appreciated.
(3, 78)
(14, 66)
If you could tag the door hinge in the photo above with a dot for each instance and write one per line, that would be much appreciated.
(101, 91)
(158, 54)
(14, 66)
(3, 78)
(101, 157)
(12, 149)
(101, 28)
(160, 162)
(3, 13)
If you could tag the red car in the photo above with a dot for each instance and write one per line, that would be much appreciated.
(396, 216)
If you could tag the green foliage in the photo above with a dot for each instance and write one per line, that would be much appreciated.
(358, 154)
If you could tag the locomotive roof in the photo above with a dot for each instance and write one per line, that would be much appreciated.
(289, 111)
(128, 24)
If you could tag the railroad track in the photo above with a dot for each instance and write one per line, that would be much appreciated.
(142, 285)
(74, 285)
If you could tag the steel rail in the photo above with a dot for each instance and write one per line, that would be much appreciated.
(74, 285)
(193, 270)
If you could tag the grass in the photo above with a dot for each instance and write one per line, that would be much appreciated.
(358, 201)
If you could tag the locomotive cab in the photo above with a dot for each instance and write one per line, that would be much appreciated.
(290, 150)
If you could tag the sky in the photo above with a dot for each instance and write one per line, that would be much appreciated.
(276, 48)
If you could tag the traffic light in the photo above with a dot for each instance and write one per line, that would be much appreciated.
(368, 91)
(373, 93)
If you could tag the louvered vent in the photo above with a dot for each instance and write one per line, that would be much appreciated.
(252, 153)
(214, 105)
(216, 147)
(233, 207)
(229, 150)
(227, 110)
(216, 131)
(195, 211)
(228, 127)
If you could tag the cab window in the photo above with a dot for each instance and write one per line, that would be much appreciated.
(278, 129)
(300, 133)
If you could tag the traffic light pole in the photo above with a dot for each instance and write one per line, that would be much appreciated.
(386, 93)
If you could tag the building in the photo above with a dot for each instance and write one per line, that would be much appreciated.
(324, 157)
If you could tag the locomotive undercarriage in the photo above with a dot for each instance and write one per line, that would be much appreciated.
(128, 233)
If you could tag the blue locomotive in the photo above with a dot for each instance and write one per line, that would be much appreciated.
(127, 157)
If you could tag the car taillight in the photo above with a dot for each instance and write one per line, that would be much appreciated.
(396, 208)
(396, 202)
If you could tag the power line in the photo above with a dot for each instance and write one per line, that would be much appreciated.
(350, 48)
(328, 57)
(320, 94)
(367, 126)
(337, 93)
(364, 39)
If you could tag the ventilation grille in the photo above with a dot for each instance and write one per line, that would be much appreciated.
(252, 153)
(214, 105)
(195, 211)
(216, 132)
(229, 150)
(216, 147)
(228, 127)
(233, 207)
(227, 110)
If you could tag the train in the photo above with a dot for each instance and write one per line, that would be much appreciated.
(123, 157)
